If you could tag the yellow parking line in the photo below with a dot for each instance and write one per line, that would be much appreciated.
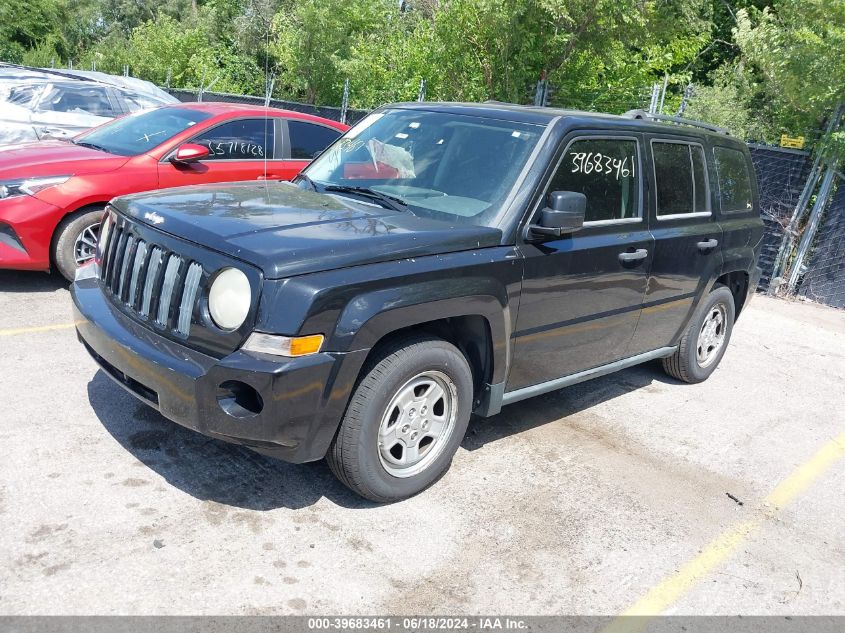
(39, 328)
(663, 595)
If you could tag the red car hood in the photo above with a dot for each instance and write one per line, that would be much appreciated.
(54, 158)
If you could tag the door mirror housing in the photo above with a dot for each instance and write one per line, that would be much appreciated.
(564, 213)
(190, 153)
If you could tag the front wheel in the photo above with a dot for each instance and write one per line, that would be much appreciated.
(75, 242)
(405, 420)
(706, 339)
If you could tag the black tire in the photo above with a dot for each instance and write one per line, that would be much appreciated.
(355, 456)
(70, 229)
(684, 364)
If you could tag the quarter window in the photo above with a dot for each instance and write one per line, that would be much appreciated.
(247, 139)
(681, 175)
(734, 180)
(307, 140)
(607, 172)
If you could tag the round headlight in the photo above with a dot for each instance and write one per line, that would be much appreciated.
(229, 299)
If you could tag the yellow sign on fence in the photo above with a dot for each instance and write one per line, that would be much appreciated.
(795, 142)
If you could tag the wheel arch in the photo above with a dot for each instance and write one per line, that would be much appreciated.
(68, 217)
(737, 281)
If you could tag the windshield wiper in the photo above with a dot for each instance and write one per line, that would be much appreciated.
(91, 145)
(391, 202)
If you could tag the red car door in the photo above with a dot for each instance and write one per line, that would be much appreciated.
(240, 149)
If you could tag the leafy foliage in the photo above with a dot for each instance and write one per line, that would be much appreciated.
(760, 67)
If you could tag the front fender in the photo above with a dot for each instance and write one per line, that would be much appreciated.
(372, 316)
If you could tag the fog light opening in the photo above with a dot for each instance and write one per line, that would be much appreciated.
(238, 399)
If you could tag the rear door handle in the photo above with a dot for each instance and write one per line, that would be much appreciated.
(708, 245)
(633, 256)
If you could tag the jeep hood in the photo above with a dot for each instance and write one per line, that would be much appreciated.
(286, 231)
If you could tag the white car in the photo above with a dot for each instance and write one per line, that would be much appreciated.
(37, 104)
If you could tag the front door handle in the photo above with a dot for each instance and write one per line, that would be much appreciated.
(708, 245)
(269, 177)
(633, 256)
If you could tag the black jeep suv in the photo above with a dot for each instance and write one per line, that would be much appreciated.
(438, 260)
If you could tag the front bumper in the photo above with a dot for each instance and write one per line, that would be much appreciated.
(303, 399)
(26, 229)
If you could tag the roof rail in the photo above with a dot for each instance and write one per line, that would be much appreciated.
(642, 114)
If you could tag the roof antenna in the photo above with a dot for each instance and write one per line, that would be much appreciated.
(267, 89)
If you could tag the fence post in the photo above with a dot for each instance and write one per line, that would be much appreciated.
(344, 104)
(421, 93)
(812, 226)
(663, 94)
(788, 241)
(268, 89)
(169, 77)
(202, 83)
(687, 94)
(655, 95)
(540, 92)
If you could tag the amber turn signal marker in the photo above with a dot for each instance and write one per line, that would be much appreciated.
(284, 345)
(304, 345)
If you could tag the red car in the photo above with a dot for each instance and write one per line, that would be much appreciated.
(52, 193)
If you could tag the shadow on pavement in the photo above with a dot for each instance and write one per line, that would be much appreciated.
(528, 414)
(214, 470)
(210, 469)
(31, 281)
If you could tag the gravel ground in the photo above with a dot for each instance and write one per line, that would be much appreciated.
(577, 502)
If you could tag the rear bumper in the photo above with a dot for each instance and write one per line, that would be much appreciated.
(301, 400)
(26, 230)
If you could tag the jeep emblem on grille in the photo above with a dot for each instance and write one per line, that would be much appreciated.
(153, 217)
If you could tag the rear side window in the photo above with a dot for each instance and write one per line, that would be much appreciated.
(309, 139)
(246, 139)
(607, 172)
(734, 180)
(681, 174)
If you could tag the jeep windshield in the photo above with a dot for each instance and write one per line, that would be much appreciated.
(135, 134)
(445, 166)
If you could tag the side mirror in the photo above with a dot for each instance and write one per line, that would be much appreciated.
(190, 153)
(564, 213)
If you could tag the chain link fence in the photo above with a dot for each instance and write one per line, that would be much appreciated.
(824, 279)
(781, 175)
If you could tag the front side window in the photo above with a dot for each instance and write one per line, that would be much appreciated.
(452, 167)
(246, 139)
(307, 140)
(681, 175)
(140, 132)
(734, 180)
(606, 171)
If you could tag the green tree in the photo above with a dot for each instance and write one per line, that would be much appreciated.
(797, 48)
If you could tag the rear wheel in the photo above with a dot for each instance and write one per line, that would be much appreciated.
(405, 420)
(75, 241)
(706, 339)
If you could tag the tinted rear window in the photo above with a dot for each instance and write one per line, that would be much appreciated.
(734, 180)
